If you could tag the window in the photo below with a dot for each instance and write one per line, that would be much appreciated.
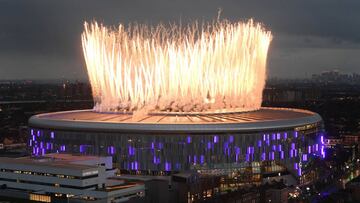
(40, 198)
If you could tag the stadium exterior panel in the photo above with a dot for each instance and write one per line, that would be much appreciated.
(214, 143)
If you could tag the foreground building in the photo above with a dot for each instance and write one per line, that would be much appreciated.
(213, 143)
(65, 178)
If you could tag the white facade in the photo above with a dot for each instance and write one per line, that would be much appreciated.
(67, 177)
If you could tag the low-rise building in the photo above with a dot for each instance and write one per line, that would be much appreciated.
(65, 178)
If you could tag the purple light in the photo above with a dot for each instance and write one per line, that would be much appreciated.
(299, 172)
(322, 152)
(274, 147)
(62, 148)
(263, 157)
(161, 145)
(271, 156)
(202, 159)
(33, 138)
(296, 134)
(131, 150)
(32, 131)
(309, 149)
(231, 139)
(304, 157)
(52, 135)
(296, 166)
(226, 145)
(188, 139)
(264, 137)
(167, 166)
(111, 150)
(237, 150)
(38, 133)
(273, 136)
(154, 160)
(317, 147)
(136, 165)
(247, 157)
(322, 139)
(259, 143)
(30, 143)
(216, 139)
(285, 135)
(209, 145)
(279, 148)
(195, 159)
(282, 154)
(291, 153)
(152, 145)
(292, 145)
(278, 136)
(296, 152)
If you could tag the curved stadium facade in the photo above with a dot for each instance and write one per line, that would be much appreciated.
(157, 144)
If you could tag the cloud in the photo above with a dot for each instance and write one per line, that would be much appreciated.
(49, 31)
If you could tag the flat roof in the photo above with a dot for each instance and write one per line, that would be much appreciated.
(263, 119)
(46, 162)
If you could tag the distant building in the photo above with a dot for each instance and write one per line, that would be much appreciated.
(65, 178)
(354, 188)
(278, 194)
(349, 142)
(331, 142)
(344, 140)
(334, 76)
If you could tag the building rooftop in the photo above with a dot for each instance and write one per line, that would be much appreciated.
(265, 118)
(57, 161)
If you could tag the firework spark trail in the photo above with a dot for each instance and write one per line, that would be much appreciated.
(197, 68)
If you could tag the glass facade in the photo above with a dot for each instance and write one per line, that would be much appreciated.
(167, 153)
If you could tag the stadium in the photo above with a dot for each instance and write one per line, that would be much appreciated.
(177, 99)
(166, 143)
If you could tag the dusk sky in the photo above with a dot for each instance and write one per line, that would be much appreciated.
(40, 39)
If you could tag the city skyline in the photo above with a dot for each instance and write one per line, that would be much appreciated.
(41, 40)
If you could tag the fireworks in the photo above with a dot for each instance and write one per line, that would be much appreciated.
(194, 68)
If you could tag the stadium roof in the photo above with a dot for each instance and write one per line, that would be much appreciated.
(88, 120)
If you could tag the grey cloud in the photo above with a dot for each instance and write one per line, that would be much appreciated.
(47, 33)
